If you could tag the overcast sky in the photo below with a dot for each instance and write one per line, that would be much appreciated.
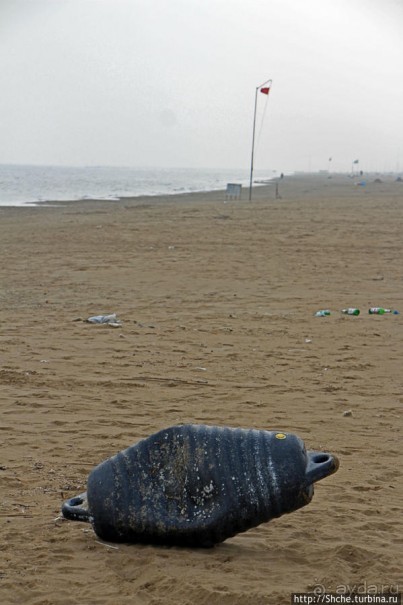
(171, 83)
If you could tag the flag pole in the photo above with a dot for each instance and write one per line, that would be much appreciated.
(253, 138)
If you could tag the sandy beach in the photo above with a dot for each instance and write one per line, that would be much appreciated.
(217, 300)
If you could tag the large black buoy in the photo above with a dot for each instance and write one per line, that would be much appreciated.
(198, 485)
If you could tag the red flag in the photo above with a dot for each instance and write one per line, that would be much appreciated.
(265, 91)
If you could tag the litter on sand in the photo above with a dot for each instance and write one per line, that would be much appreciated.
(110, 319)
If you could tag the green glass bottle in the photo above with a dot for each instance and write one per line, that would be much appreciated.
(378, 311)
(351, 311)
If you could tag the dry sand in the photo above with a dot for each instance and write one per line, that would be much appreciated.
(217, 301)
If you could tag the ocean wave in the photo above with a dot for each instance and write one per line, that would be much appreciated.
(20, 185)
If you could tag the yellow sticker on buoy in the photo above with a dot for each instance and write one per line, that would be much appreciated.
(280, 436)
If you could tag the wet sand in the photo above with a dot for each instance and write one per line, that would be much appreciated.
(217, 300)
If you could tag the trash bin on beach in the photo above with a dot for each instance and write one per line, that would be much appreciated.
(197, 485)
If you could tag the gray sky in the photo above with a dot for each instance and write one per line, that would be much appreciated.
(172, 83)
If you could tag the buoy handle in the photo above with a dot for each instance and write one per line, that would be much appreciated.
(320, 465)
(73, 510)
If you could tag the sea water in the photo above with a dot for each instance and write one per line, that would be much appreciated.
(22, 184)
